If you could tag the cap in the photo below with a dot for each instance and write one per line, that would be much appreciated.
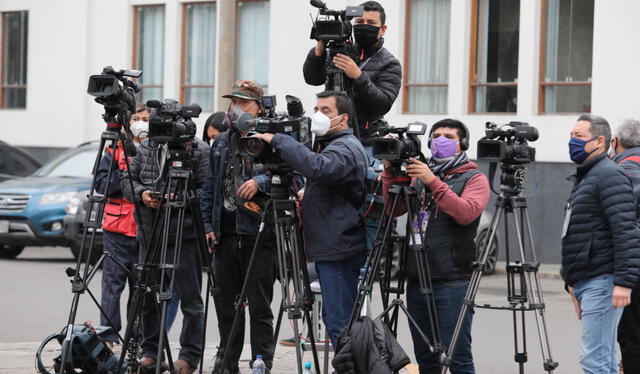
(246, 90)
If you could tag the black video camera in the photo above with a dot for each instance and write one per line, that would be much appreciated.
(508, 143)
(113, 90)
(336, 26)
(293, 123)
(171, 122)
(401, 148)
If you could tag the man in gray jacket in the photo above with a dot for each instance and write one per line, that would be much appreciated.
(149, 176)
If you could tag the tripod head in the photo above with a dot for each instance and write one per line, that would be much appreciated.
(511, 178)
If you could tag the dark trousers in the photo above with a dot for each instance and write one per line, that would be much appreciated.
(629, 334)
(187, 285)
(339, 283)
(123, 249)
(232, 260)
(449, 297)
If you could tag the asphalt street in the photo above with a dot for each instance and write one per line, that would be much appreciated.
(36, 297)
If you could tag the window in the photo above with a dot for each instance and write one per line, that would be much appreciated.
(148, 49)
(199, 54)
(15, 26)
(567, 47)
(427, 56)
(252, 50)
(494, 56)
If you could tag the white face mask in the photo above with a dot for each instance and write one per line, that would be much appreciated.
(140, 128)
(321, 124)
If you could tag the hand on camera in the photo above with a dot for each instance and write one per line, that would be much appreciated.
(266, 137)
(347, 65)
(149, 200)
(212, 241)
(420, 170)
(248, 189)
(621, 297)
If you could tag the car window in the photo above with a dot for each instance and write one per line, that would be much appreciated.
(22, 165)
(70, 165)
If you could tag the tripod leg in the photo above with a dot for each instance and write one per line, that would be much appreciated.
(474, 284)
(534, 289)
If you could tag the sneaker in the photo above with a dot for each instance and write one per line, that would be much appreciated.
(291, 342)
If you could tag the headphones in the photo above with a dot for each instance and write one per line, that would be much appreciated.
(451, 123)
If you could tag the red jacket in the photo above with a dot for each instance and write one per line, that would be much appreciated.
(118, 211)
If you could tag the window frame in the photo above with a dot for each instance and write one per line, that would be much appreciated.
(542, 84)
(4, 86)
(473, 83)
(183, 53)
(135, 41)
(405, 63)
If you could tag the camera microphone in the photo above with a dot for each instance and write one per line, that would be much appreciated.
(154, 103)
(246, 122)
(317, 4)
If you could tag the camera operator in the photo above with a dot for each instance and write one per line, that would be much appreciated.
(232, 232)
(335, 191)
(453, 194)
(118, 227)
(600, 242)
(376, 73)
(146, 170)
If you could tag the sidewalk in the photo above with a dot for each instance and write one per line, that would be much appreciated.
(19, 358)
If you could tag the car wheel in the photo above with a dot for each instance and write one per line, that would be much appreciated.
(10, 251)
(95, 256)
(492, 259)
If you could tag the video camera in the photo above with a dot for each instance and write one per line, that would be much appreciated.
(116, 93)
(336, 26)
(293, 123)
(508, 143)
(171, 122)
(400, 149)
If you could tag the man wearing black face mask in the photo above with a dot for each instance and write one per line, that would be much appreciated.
(376, 74)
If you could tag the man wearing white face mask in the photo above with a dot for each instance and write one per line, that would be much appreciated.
(334, 192)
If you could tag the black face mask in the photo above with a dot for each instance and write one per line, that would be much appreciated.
(366, 35)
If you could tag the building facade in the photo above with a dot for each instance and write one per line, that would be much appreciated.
(536, 61)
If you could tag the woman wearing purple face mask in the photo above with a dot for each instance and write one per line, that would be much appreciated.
(453, 193)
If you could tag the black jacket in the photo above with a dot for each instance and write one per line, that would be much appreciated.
(370, 348)
(376, 89)
(602, 235)
(629, 161)
(334, 192)
(145, 175)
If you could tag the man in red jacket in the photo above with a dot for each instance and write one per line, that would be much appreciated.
(452, 195)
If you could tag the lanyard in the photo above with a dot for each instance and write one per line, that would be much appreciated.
(365, 62)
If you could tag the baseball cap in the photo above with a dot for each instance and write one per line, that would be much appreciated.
(246, 90)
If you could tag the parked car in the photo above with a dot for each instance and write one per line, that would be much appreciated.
(32, 208)
(73, 227)
(14, 162)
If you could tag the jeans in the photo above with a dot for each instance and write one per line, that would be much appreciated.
(339, 283)
(231, 266)
(449, 297)
(172, 311)
(599, 325)
(123, 249)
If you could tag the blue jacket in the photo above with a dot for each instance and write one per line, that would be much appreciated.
(335, 191)
(602, 235)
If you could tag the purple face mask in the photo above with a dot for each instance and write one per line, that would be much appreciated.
(443, 147)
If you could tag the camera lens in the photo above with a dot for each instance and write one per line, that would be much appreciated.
(254, 147)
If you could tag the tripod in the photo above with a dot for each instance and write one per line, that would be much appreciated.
(291, 266)
(523, 284)
(400, 190)
(82, 276)
(178, 195)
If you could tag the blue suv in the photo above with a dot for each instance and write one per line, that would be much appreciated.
(32, 208)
